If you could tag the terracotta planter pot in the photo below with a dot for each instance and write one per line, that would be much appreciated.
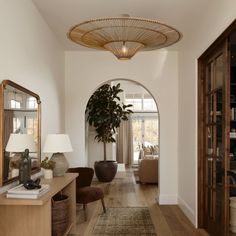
(105, 170)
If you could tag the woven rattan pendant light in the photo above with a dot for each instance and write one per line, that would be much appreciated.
(123, 36)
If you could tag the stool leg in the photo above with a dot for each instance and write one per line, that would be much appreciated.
(103, 205)
(85, 214)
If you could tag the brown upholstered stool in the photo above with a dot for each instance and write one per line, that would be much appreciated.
(84, 192)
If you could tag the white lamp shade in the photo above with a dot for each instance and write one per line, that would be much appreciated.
(20, 142)
(57, 143)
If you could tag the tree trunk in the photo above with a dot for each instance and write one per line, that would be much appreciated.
(105, 151)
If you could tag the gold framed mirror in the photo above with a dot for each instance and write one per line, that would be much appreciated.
(20, 113)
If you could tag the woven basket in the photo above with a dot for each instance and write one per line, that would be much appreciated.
(60, 214)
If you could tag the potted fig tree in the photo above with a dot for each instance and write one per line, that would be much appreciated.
(48, 166)
(105, 112)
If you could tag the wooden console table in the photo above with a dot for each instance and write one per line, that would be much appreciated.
(27, 217)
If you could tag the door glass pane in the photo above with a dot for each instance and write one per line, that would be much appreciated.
(209, 171)
(209, 76)
(219, 125)
(210, 201)
(219, 109)
(219, 173)
(218, 204)
(210, 109)
(210, 140)
(219, 71)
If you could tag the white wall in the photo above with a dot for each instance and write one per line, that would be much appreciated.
(31, 56)
(157, 71)
(217, 18)
(96, 150)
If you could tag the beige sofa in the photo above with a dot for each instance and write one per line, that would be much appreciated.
(148, 170)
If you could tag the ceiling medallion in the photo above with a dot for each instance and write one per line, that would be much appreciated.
(124, 36)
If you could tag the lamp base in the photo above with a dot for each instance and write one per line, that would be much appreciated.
(61, 164)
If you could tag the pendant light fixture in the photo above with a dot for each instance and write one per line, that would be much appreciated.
(123, 36)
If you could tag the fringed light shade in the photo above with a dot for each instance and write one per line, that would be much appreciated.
(123, 36)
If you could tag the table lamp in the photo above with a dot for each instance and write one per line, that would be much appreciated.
(58, 144)
(22, 144)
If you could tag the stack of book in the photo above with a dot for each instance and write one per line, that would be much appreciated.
(21, 192)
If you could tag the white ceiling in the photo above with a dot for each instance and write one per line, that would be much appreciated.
(61, 15)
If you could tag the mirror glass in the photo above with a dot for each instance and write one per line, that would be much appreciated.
(20, 115)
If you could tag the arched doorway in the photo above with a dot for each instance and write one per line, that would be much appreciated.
(143, 140)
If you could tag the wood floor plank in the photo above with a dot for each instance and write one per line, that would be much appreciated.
(123, 191)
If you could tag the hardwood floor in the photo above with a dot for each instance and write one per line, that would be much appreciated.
(123, 191)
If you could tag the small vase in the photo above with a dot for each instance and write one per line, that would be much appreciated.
(48, 174)
(14, 173)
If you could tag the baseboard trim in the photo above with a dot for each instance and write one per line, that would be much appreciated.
(167, 199)
(187, 210)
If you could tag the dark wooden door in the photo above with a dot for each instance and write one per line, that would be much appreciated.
(214, 146)
(216, 128)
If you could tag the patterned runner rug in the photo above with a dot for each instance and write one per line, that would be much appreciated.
(125, 221)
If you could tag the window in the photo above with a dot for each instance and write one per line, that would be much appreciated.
(16, 125)
(31, 103)
(13, 100)
(144, 121)
(15, 104)
(135, 100)
(149, 103)
(25, 123)
(145, 132)
(31, 126)
(141, 102)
